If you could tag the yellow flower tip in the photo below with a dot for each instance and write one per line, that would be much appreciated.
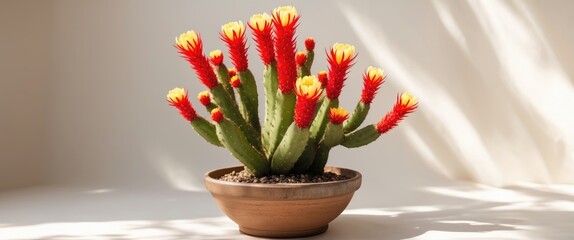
(339, 112)
(176, 95)
(343, 51)
(286, 14)
(259, 21)
(338, 115)
(408, 100)
(235, 81)
(375, 74)
(187, 39)
(233, 30)
(308, 87)
(203, 94)
(215, 53)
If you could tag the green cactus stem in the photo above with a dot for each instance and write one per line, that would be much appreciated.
(310, 58)
(361, 137)
(270, 85)
(284, 110)
(357, 117)
(223, 77)
(230, 110)
(306, 158)
(320, 122)
(316, 133)
(321, 158)
(334, 135)
(249, 99)
(290, 148)
(210, 107)
(235, 141)
(303, 71)
(206, 130)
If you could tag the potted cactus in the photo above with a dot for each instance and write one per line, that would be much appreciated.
(283, 188)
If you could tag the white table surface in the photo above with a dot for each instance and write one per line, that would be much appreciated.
(457, 211)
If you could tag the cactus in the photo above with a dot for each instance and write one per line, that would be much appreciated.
(302, 119)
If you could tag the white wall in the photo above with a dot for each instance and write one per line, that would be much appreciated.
(24, 75)
(486, 72)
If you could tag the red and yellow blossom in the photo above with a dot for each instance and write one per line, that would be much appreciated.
(261, 25)
(204, 98)
(216, 115)
(177, 97)
(189, 40)
(232, 72)
(233, 34)
(285, 22)
(372, 80)
(322, 76)
(216, 57)
(342, 52)
(338, 115)
(285, 15)
(340, 59)
(235, 81)
(310, 44)
(406, 103)
(300, 58)
(190, 46)
(308, 90)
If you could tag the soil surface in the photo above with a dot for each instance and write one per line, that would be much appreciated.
(245, 177)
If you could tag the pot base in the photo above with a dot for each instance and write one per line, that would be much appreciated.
(282, 234)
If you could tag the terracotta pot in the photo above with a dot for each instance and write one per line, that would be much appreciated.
(283, 210)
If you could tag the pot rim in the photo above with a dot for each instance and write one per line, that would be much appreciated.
(278, 185)
(283, 190)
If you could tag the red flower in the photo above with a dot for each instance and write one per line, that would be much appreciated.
(301, 58)
(405, 104)
(235, 82)
(216, 115)
(340, 59)
(285, 23)
(232, 72)
(308, 90)
(204, 98)
(216, 57)
(190, 47)
(372, 80)
(177, 97)
(338, 115)
(322, 76)
(233, 34)
(261, 26)
(310, 44)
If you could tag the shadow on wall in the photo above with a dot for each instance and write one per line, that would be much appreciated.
(494, 111)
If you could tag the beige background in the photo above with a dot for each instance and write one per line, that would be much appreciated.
(83, 86)
(89, 148)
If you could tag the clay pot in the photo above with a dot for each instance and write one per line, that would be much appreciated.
(282, 210)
